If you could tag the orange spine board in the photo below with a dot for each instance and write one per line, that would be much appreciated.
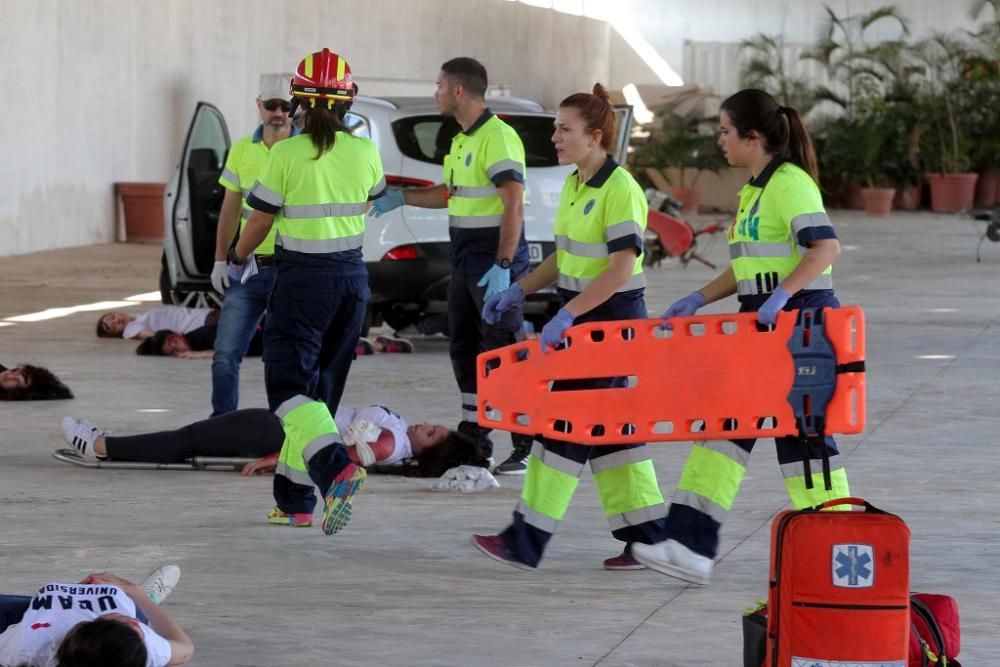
(713, 377)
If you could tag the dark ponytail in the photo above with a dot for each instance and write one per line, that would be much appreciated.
(322, 125)
(781, 128)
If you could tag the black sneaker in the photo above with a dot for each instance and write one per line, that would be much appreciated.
(516, 464)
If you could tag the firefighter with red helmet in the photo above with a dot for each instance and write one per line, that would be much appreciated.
(314, 189)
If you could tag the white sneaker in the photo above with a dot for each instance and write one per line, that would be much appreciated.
(159, 583)
(674, 560)
(81, 435)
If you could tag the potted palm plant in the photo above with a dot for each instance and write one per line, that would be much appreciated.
(982, 72)
(946, 147)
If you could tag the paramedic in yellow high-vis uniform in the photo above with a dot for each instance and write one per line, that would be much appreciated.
(597, 270)
(782, 247)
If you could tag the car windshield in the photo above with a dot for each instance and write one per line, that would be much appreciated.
(428, 138)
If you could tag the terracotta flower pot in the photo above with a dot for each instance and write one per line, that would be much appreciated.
(987, 188)
(907, 198)
(878, 201)
(952, 192)
(142, 204)
(852, 198)
(689, 197)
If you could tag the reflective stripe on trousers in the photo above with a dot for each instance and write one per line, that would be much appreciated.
(311, 454)
(625, 481)
(712, 476)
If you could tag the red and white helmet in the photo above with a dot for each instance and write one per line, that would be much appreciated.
(323, 76)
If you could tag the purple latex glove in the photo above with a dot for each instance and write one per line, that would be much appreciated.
(689, 305)
(554, 332)
(768, 313)
(234, 272)
(500, 303)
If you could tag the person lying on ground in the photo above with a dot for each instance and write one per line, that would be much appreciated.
(31, 383)
(382, 344)
(181, 319)
(373, 435)
(103, 620)
(196, 344)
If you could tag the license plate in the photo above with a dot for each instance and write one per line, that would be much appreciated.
(535, 253)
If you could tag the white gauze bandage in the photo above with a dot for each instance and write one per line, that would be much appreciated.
(359, 434)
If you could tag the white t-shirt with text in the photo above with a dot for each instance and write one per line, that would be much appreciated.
(56, 609)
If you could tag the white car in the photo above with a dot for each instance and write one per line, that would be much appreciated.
(406, 250)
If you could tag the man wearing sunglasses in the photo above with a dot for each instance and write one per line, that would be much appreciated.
(245, 303)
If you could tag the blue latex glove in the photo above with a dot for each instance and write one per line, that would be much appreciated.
(689, 305)
(234, 272)
(554, 332)
(392, 199)
(498, 304)
(768, 313)
(495, 281)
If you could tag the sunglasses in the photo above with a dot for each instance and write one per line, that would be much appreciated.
(274, 105)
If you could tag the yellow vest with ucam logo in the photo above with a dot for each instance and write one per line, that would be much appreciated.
(777, 209)
(604, 215)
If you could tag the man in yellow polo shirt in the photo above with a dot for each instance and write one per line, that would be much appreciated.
(244, 304)
(483, 190)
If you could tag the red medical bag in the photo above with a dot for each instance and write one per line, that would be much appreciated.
(935, 639)
(839, 588)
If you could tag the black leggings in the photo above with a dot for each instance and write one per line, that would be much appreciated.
(245, 433)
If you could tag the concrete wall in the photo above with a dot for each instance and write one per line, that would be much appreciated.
(102, 91)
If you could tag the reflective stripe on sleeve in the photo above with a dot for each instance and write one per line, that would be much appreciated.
(800, 222)
(623, 230)
(231, 176)
(378, 189)
(266, 195)
(505, 165)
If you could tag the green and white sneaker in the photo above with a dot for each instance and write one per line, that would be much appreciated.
(160, 583)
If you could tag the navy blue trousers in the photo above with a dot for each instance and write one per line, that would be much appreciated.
(315, 317)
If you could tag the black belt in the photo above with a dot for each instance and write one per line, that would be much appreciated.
(264, 261)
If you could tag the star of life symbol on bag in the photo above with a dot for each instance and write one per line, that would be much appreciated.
(853, 565)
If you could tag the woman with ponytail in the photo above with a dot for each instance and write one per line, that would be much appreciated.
(782, 246)
(315, 189)
(597, 270)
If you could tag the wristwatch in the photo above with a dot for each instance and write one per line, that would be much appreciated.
(234, 258)
(503, 263)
